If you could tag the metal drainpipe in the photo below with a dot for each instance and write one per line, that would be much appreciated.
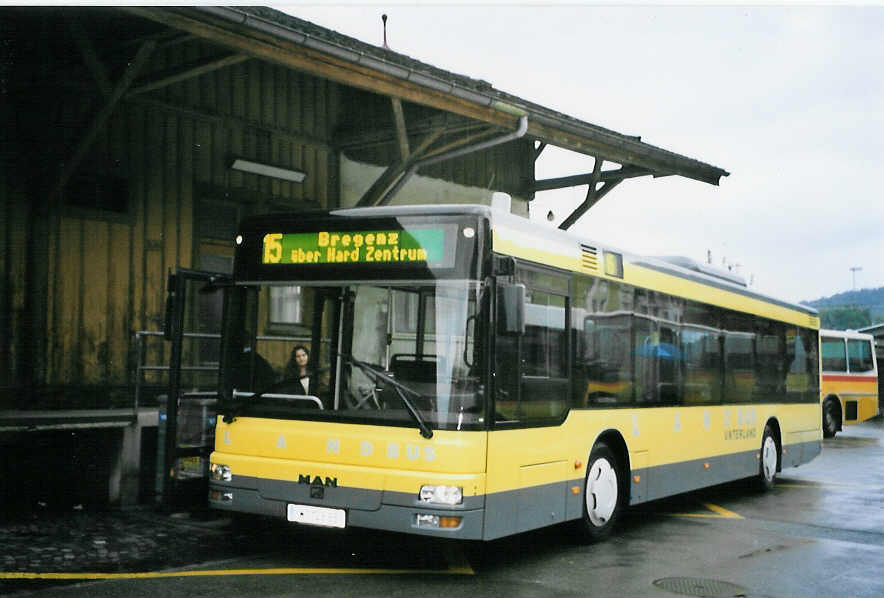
(519, 132)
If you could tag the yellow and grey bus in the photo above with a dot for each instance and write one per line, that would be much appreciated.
(849, 388)
(473, 375)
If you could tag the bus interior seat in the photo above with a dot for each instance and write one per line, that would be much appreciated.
(417, 368)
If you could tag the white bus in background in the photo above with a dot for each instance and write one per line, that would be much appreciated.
(849, 381)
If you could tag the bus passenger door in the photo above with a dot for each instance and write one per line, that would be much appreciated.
(527, 455)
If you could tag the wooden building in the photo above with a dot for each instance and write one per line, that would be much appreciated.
(120, 127)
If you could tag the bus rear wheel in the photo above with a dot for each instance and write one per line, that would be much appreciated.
(603, 495)
(768, 460)
(830, 418)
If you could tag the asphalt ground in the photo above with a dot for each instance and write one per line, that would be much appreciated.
(107, 541)
(819, 533)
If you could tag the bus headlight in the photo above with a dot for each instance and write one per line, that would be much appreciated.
(442, 495)
(220, 473)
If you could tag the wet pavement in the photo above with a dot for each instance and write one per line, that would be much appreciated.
(111, 541)
(105, 541)
(818, 533)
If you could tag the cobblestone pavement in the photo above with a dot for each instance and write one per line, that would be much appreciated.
(115, 541)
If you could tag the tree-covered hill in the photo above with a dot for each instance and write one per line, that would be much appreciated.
(850, 309)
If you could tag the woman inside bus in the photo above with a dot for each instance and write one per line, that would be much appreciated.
(296, 369)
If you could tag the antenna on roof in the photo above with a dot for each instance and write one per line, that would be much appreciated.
(384, 19)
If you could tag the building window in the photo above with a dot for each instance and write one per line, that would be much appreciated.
(286, 305)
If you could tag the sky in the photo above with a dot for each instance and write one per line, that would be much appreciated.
(789, 99)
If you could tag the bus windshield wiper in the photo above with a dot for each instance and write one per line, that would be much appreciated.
(401, 390)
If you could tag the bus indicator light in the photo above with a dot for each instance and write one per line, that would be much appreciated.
(219, 496)
(428, 520)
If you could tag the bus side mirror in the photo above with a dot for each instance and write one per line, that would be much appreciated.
(511, 309)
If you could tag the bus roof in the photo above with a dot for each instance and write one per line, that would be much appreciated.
(851, 334)
(532, 240)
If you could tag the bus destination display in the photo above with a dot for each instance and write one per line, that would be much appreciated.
(413, 246)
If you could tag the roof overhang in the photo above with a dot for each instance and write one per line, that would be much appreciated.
(379, 71)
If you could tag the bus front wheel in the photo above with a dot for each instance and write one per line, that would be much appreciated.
(768, 460)
(830, 418)
(602, 496)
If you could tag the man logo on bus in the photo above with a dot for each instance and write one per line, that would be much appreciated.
(318, 481)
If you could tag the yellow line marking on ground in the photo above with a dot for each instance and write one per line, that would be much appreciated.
(453, 570)
(717, 513)
(457, 561)
(816, 484)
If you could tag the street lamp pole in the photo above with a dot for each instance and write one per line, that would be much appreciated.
(854, 270)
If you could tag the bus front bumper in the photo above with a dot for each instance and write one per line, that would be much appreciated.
(396, 512)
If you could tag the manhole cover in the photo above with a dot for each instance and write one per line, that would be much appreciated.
(695, 586)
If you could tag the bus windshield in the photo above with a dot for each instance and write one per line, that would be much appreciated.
(387, 354)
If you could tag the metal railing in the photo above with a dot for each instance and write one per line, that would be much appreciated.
(141, 352)
(142, 367)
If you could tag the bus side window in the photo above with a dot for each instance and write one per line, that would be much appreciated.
(606, 363)
(834, 357)
(544, 383)
(646, 341)
(859, 356)
(740, 346)
(701, 349)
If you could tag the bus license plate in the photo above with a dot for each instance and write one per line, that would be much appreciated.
(317, 515)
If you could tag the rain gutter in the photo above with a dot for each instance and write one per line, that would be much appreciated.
(378, 64)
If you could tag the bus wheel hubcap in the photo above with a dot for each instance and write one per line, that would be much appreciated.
(601, 492)
(769, 458)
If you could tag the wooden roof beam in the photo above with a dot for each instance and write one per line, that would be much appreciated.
(592, 197)
(188, 72)
(346, 140)
(401, 133)
(461, 142)
(395, 171)
(90, 58)
(626, 172)
(591, 193)
(102, 117)
(164, 39)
